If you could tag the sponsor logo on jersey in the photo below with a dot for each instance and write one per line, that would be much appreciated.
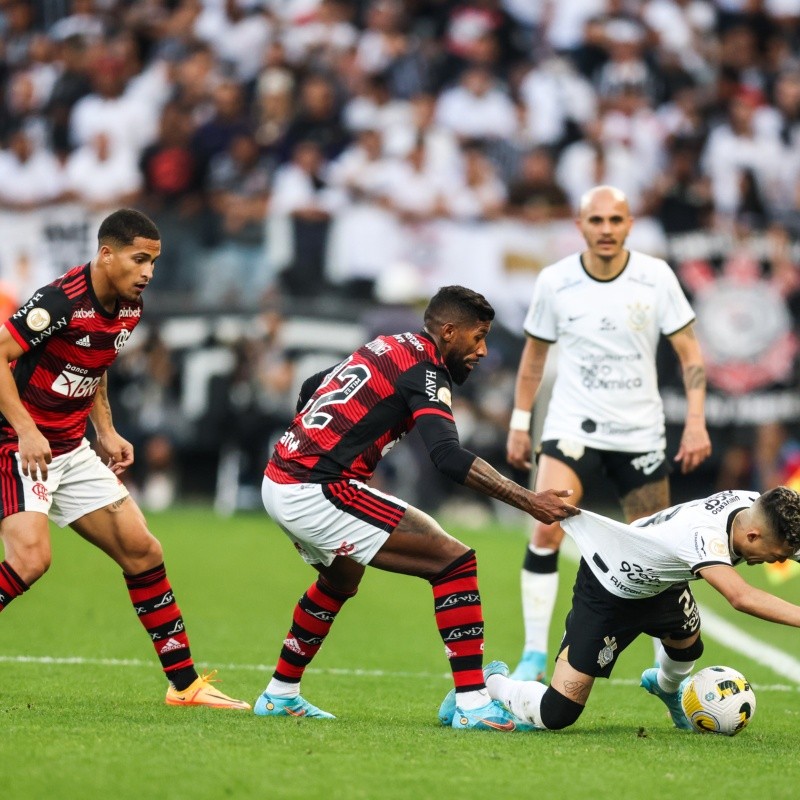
(48, 331)
(37, 319)
(84, 341)
(83, 313)
(378, 346)
(21, 312)
(430, 385)
(290, 441)
(411, 339)
(134, 313)
(717, 502)
(71, 385)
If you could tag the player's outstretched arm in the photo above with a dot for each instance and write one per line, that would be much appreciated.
(546, 506)
(748, 599)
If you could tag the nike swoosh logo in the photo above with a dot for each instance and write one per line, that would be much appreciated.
(500, 726)
(300, 713)
(652, 468)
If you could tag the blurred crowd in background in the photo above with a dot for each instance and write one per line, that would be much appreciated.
(317, 169)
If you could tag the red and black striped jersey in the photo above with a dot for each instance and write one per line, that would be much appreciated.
(69, 340)
(362, 407)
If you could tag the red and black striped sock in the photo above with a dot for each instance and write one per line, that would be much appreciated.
(11, 585)
(157, 610)
(313, 616)
(459, 617)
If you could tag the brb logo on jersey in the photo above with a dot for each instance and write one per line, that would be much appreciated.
(74, 382)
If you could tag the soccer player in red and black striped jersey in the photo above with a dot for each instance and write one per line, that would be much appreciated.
(54, 353)
(315, 487)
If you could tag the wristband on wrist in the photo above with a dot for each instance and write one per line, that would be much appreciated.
(520, 420)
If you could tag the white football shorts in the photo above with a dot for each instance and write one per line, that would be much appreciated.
(77, 483)
(325, 520)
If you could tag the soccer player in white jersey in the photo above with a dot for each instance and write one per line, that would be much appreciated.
(633, 579)
(607, 307)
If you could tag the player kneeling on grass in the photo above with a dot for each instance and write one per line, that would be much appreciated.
(54, 353)
(633, 579)
(314, 488)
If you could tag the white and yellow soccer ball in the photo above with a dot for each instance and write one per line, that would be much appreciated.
(719, 700)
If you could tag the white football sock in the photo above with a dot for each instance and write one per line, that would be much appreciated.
(671, 673)
(282, 688)
(539, 592)
(523, 698)
(474, 699)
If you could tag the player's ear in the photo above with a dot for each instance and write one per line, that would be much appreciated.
(448, 331)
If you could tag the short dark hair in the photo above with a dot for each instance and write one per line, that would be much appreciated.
(781, 509)
(459, 305)
(123, 226)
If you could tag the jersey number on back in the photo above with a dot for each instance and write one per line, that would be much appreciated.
(353, 378)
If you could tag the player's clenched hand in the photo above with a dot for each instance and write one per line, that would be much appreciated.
(518, 449)
(547, 506)
(119, 451)
(34, 454)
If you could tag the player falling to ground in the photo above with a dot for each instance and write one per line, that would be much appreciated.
(633, 578)
(315, 489)
(54, 353)
(607, 308)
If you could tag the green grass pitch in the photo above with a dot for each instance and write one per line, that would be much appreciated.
(97, 726)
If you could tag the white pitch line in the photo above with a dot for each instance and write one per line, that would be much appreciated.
(80, 661)
(729, 635)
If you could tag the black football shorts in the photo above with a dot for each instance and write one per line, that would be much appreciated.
(601, 625)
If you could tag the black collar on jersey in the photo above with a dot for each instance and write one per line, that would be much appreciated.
(604, 280)
(98, 306)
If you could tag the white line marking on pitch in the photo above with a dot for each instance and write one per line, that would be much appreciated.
(80, 661)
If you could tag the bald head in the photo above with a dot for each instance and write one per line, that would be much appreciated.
(603, 193)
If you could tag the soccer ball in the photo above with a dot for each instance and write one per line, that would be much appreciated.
(718, 700)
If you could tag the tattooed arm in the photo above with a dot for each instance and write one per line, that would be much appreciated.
(440, 436)
(695, 444)
(119, 450)
(546, 506)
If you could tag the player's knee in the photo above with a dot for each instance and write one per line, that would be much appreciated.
(30, 562)
(140, 553)
(557, 711)
(690, 653)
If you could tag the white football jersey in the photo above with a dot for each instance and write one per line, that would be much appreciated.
(606, 388)
(643, 559)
